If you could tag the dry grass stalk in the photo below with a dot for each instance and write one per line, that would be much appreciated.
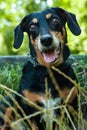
(49, 111)
(22, 97)
(18, 107)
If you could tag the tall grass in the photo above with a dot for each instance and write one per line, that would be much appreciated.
(9, 84)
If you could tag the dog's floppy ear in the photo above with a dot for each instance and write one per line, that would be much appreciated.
(18, 33)
(73, 24)
(70, 19)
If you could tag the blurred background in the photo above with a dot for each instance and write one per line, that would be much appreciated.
(12, 11)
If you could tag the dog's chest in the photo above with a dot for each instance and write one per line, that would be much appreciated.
(33, 79)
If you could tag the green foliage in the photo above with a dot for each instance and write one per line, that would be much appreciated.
(78, 44)
(10, 75)
(80, 67)
(11, 13)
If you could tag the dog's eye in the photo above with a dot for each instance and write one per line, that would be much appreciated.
(55, 21)
(32, 27)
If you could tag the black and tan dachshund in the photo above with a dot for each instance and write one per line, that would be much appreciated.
(48, 48)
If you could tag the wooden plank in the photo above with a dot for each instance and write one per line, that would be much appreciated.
(22, 59)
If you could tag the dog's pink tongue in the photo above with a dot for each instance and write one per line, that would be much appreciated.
(49, 57)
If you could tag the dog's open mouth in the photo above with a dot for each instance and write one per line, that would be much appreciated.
(51, 55)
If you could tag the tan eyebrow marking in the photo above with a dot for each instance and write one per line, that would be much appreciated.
(35, 20)
(48, 16)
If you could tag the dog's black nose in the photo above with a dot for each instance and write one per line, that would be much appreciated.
(46, 40)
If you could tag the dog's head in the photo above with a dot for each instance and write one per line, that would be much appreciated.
(47, 35)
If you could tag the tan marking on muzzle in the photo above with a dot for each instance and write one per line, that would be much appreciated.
(34, 42)
(59, 35)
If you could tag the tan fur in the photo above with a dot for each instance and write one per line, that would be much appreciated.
(68, 94)
(8, 118)
(48, 16)
(35, 20)
(60, 36)
(33, 96)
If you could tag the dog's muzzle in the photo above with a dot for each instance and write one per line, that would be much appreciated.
(50, 49)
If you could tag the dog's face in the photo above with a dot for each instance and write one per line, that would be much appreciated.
(47, 35)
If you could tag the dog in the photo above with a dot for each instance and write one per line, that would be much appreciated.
(47, 35)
